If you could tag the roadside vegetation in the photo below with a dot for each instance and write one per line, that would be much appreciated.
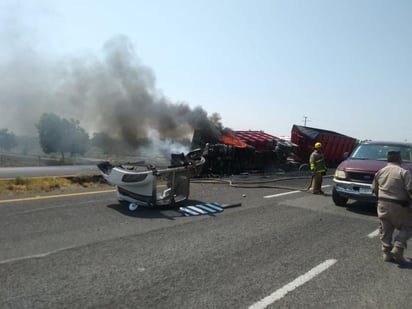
(26, 185)
(61, 141)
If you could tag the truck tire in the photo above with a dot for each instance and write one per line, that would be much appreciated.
(338, 199)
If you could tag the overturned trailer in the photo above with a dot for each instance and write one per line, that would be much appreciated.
(334, 144)
(235, 152)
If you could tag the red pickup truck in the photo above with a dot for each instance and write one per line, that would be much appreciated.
(353, 177)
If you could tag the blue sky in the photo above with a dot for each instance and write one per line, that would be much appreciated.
(261, 64)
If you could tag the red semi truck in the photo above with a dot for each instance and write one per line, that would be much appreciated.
(234, 152)
(334, 144)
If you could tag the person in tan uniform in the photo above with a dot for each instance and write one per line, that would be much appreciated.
(318, 167)
(393, 188)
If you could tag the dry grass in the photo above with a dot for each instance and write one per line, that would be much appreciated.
(23, 185)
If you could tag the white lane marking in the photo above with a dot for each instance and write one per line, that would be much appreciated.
(291, 192)
(293, 285)
(34, 256)
(280, 194)
(374, 233)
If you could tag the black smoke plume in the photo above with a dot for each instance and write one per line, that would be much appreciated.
(115, 94)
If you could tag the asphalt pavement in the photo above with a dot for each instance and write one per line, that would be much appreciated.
(41, 171)
(282, 248)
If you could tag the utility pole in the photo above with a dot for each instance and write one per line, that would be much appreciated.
(305, 119)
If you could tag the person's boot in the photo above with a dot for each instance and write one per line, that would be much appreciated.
(387, 256)
(397, 254)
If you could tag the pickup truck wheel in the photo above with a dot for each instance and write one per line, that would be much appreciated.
(337, 199)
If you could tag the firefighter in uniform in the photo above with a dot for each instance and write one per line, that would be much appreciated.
(318, 167)
(393, 188)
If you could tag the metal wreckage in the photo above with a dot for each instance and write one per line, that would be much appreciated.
(226, 153)
(231, 153)
(147, 185)
(236, 152)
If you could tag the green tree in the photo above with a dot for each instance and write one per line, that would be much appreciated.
(7, 139)
(61, 135)
(77, 139)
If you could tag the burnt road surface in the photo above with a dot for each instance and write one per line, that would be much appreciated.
(282, 248)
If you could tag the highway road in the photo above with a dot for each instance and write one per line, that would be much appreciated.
(282, 248)
(40, 171)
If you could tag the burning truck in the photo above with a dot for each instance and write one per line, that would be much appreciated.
(236, 152)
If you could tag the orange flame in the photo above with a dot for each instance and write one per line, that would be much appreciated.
(232, 140)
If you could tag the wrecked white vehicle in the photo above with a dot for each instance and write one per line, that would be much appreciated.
(146, 185)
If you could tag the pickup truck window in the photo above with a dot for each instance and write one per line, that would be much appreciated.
(380, 152)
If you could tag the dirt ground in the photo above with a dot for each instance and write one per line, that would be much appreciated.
(28, 185)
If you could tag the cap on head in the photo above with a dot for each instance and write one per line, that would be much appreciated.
(318, 145)
(394, 156)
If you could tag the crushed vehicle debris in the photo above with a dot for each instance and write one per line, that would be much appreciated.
(235, 152)
(146, 185)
